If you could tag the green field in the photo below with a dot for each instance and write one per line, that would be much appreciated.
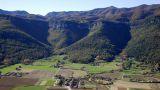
(42, 64)
(49, 81)
(31, 88)
(89, 85)
(104, 67)
(137, 69)
(79, 73)
(37, 88)
(140, 89)
(47, 64)
(79, 70)
(27, 67)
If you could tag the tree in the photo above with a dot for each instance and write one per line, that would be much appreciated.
(0, 74)
(157, 67)
(127, 64)
(27, 61)
(7, 61)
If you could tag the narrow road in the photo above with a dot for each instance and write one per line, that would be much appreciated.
(68, 87)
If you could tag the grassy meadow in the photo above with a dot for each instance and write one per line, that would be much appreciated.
(104, 67)
(31, 88)
(42, 64)
(47, 64)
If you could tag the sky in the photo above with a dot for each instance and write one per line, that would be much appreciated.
(44, 6)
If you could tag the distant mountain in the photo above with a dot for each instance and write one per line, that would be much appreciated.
(20, 13)
(110, 13)
(82, 35)
(63, 14)
(23, 14)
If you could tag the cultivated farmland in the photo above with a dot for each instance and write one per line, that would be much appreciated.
(8, 83)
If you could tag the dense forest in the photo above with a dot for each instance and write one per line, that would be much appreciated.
(19, 41)
(145, 42)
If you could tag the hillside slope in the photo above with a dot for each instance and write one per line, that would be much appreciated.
(108, 31)
(19, 41)
(105, 39)
(82, 35)
(145, 41)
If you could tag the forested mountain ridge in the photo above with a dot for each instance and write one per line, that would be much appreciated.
(110, 13)
(83, 35)
(22, 39)
(145, 42)
(105, 39)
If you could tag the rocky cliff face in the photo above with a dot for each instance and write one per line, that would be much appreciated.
(65, 33)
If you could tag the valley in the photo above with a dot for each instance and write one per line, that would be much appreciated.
(55, 73)
(101, 49)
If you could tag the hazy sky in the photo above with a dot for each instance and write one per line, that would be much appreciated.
(44, 6)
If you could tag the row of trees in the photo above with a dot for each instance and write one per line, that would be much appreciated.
(8, 61)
